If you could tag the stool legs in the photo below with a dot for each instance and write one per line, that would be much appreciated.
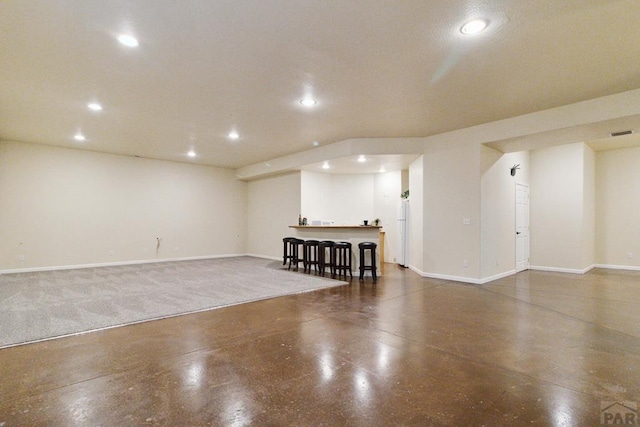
(310, 257)
(284, 251)
(294, 254)
(342, 259)
(371, 248)
(322, 257)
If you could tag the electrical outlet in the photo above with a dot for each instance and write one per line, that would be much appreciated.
(465, 263)
(629, 255)
(21, 258)
(497, 262)
(111, 252)
(466, 221)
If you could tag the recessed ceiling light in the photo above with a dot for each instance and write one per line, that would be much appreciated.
(128, 40)
(233, 135)
(362, 158)
(315, 143)
(79, 137)
(382, 170)
(94, 106)
(308, 102)
(474, 27)
(191, 153)
(325, 165)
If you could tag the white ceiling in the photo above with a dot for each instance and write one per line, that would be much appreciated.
(370, 164)
(377, 68)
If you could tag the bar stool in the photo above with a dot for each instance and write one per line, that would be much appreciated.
(294, 254)
(322, 258)
(342, 259)
(310, 256)
(371, 247)
(285, 250)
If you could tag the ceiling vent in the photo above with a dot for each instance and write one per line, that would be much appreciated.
(621, 133)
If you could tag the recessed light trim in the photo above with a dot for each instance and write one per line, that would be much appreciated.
(325, 165)
(128, 40)
(191, 153)
(474, 26)
(362, 158)
(79, 137)
(233, 135)
(94, 106)
(315, 143)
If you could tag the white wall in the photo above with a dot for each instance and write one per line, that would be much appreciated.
(61, 207)
(416, 215)
(618, 196)
(451, 194)
(498, 189)
(316, 199)
(404, 180)
(273, 205)
(346, 199)
(386, 197)
(589, 208)
(561, 226)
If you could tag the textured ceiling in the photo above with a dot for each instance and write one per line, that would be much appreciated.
(377, 68)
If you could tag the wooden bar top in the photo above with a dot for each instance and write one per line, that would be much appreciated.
(366, 227)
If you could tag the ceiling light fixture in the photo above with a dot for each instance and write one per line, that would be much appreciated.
(308, 102)
(79, 137)
(315, 143)
(474, 27)
(191, 153)
(94, 106)
(382, 170)
(128, 40)
(325, 165)
(234, 135)
(362, 158)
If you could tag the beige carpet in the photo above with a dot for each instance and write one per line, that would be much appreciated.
(43, 305)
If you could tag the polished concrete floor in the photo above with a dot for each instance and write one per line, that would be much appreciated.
(537, 348)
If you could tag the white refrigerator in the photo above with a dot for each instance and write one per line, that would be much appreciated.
(403, 233)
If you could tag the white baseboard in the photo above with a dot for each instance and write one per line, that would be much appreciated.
(619, 267)
(113, 264)
(498, 276)
(462, 278)
(274, 258)
(562, 270)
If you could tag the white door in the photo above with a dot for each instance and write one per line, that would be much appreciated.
(522, 227)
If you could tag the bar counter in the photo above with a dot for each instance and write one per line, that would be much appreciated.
(353, 234)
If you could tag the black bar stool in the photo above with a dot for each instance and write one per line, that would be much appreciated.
(286, 255)
(294, 254)
(371, 247)
(310, 257)
(322, 256)
(342, 259)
